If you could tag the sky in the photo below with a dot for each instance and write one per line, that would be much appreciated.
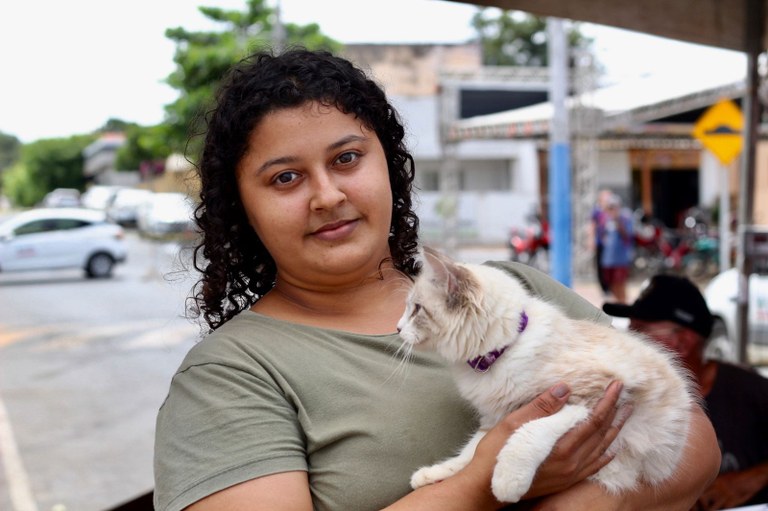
(66, 67)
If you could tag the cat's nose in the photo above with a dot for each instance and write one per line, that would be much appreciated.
(398, 329)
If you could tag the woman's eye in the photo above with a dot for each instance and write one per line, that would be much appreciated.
(347, 158)
(285, 178)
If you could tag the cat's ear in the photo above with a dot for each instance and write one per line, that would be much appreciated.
(455, 280)
(434, 258)
(459, 284)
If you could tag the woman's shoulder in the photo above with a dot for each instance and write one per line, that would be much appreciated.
(227, 344)
(546, 288)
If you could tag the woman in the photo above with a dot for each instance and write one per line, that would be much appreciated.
(297, 399)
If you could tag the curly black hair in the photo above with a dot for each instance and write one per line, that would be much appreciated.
(236, 268)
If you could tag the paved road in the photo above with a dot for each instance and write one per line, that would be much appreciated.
(84, 365)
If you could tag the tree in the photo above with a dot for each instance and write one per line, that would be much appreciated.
(9, 150)
(143, 144)
(515, 38)
(45, 165)
(9, 154)
(203, 58)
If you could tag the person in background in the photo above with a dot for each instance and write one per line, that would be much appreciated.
(598, 217)
(297, 400)
(672, 311)
(616, 237)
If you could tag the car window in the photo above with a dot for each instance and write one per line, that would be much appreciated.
(63, 224)
(48, 225)
(34, 227)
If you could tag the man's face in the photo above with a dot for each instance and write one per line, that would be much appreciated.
(666, 333)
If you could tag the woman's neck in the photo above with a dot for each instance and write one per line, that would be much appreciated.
(372, 306)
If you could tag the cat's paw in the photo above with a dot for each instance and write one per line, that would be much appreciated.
(431, 475)
(509, 484)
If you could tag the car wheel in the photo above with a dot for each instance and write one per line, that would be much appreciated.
(99, 266)
(719, 346)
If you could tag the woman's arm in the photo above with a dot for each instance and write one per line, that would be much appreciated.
(733, 489)
(699, 466)
(578, 454)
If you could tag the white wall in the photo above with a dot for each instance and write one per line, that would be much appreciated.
(485, 214)
(615, 173)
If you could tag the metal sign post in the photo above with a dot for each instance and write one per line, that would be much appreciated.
(720, 129)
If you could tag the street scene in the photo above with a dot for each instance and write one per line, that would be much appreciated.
(84, 366)
(335, 176)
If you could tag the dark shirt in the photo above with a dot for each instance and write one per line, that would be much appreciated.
(738, 408)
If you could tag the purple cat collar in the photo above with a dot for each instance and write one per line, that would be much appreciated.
(483, 363)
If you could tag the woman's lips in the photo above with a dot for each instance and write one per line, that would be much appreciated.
(336, 230)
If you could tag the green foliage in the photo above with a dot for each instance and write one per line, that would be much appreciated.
(115, 125)
(515, 38)
(9, 150)
(20, 189)
(203, 59)
(45, 165)
(142, 143)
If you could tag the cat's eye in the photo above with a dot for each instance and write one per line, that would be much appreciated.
(416, 309)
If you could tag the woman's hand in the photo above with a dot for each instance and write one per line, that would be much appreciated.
(578, 454)
(698, 467)
(581, 452)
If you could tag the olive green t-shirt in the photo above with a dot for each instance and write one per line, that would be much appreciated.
(261, 396)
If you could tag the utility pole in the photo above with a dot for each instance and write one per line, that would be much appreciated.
(751, 106)
(586, 125)
(448, 108)
(559, 155)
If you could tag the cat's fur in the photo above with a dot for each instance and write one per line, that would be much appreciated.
(463, 311)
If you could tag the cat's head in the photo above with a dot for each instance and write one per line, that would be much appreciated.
(444, 309)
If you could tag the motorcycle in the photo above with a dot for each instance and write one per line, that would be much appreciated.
(530, 245)
(690, 250)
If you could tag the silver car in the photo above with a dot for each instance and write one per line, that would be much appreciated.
(57, 238)
(720, 294)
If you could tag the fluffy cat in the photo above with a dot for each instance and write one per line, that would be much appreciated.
(506, 346)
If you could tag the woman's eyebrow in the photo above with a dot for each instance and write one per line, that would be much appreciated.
(346, 140)
(282, 160)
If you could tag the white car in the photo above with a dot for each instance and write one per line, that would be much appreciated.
(99, 196)
(124, 208)
(167, 215)
(58, 238)
(720, 295)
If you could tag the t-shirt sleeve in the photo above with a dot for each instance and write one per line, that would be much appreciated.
(221, 425)
(545, 287)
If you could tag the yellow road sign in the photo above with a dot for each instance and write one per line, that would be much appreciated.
(720, 130)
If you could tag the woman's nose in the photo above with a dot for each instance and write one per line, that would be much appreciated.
(326, 193)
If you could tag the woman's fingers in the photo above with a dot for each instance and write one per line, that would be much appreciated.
(595, 432)
(581, 452)
(544, 405)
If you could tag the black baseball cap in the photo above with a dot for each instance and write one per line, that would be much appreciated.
(668, 298)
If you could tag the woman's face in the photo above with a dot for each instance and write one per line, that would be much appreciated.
(315, 187)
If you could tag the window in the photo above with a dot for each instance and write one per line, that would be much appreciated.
(48, 225)
(485, 176)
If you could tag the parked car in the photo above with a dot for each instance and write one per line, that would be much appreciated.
(62, 198)
(167, 215)
(99, 196)
(57, 238)
(125, 205)
(721, 294)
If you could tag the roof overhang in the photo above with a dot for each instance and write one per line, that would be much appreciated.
(719, 23)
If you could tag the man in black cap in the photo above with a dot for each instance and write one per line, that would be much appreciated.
(672, 311)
